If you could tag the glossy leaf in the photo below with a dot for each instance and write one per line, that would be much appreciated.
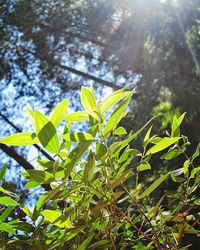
(59, 112)
(163, 144)
(153, 186)
(46, 133)
(20, 139)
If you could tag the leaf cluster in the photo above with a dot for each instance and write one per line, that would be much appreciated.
(95, 199)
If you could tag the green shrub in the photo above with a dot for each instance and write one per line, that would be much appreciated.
(94, 198)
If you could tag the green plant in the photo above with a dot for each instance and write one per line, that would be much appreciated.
(95, 199)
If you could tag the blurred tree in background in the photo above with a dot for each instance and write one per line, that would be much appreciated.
(50, 48)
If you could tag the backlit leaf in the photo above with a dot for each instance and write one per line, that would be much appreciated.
(59, 112)
(4, 200)
(78, 116)
(120, 131)
(78, 137)
(40, 176)
(163, 144)
(5, 227)
(56, 218)
(3, 171)
(112, 99)
(89, 168)
(143, 167)
(20, 139)
(116, 116)
(46, 133)
(89, 103)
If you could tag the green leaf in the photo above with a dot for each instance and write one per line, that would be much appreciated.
(130, 138)
(121, 179)
(153, 186)
(88, 102)
(4, 200)
(23, 226)
(46, 133)
(6, 213)
(78, 116)
(112, 99)
(84, 245)
(20, 139)
(4, 191)
(59, 112)
(5, 227)
(56, 218)
(175, 127)
(99, 243)
(101, 150)
(54, 192)
(171, 154)
(120, 131)
(3, 171)
(40, 176)
(194, 172)
(116, 116)
(196, 153)
(78, 137)
(30, 113)
(89, 168)
(176, 124)
(73, 232)
(147, 136)
(163, 144)
(186, 166)
(143, 167)
(32, 184)
(76, 154)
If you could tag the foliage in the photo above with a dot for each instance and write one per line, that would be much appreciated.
(93, 197)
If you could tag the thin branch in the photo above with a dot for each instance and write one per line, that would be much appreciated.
(23, 162)
(55, 62)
